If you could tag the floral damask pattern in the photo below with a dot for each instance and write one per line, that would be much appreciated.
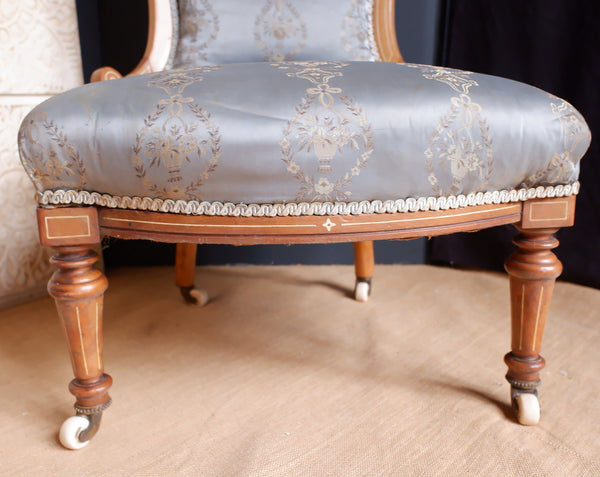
(239, 31)
(460, 148)
(199, 27)
(279, 31)
(168, 141)
(461, 144)
(326, 123)
(562, 168)
(458, 80)
(44, 164)
(357, 31)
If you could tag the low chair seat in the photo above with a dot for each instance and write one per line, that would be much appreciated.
(349, 136)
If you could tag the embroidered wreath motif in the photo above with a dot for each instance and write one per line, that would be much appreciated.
(169, 140)
(279, 30)
(326, 124)
(459, 80)
(459, 150)
(562, 168)
(56, 165)
(199, 28)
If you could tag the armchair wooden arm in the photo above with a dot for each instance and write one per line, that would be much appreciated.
(158, 45)
(385, 31)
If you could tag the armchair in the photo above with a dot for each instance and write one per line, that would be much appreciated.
(284, 121)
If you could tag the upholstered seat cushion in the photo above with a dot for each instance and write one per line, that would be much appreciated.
(300, 132)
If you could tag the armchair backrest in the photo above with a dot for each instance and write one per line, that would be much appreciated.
(236, 31)
(188, 33)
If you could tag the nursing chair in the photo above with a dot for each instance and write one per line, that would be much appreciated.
(291, 121)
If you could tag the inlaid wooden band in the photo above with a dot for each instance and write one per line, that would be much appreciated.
(303, 229)
(68, 226)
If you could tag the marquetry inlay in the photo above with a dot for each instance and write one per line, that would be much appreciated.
(537, 319)
(151, 222)
(328, 224)
(85, 365)
(65, 227)
(68, 226)
(557, 212)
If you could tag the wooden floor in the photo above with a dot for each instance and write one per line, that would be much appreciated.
(283, 374)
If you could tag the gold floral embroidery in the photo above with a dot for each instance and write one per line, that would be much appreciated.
(175, 82)
(562, 168)
(169, 140)
(459, 147)
(326, 123)
(357, 31)
(458, 80)
(279, 30)
(199, 27)
(52, 166)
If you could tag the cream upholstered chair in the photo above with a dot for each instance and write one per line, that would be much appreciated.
(276, 122)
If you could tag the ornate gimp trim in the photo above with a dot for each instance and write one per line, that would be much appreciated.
(358, 33)
(371, 32)
(421, 204)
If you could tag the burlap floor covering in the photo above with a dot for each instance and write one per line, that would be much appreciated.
(284, 374)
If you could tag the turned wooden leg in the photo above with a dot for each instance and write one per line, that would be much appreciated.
(533, 269)
(185, 270)
(364, 267)
(78, 289)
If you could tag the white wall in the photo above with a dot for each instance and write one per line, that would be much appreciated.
(39, 57)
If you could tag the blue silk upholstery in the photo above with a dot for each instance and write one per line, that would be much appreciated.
(293, 132)
(235, 31)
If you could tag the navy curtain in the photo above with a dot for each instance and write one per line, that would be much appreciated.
(551, 44)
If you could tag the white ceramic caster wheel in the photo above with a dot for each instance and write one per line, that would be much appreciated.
(193, 296)
(528, 409)
(200, 296)
(70, 430)
(361, 291)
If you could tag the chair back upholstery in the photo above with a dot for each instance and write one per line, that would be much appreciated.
(236, 31)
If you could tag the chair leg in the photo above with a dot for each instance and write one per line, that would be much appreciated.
(78, 289)
(533, 269)
(185, 270)
(364, 266)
